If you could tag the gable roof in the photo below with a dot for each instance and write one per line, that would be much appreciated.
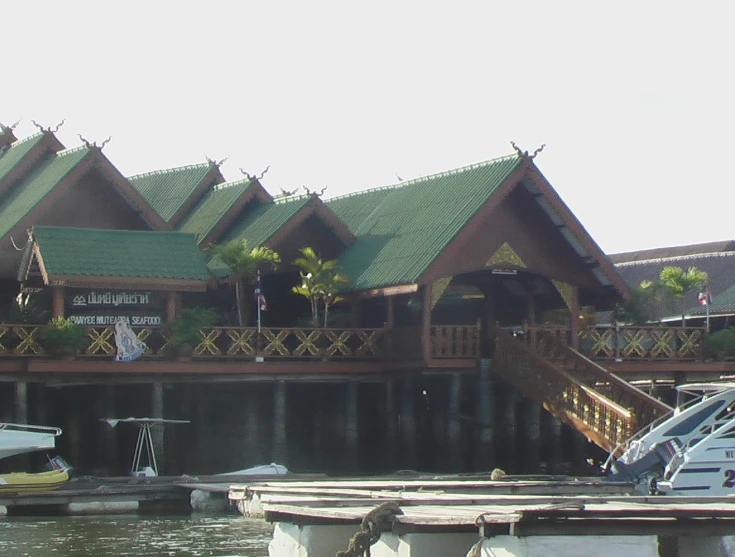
(672, 251)
(25, 195)
(401, 229)
(170, 191)
(84, 254)
(219, 207)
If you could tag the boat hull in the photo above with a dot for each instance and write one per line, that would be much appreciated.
(23, 482)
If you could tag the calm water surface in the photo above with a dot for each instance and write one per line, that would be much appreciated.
(134, 536)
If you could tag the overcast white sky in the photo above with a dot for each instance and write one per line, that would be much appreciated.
(633, 99)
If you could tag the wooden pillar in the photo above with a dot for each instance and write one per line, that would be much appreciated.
(107, 454)
(252, 447)
(390, 317)
(20, 405)
(407, 424)
(555, 444)
(352, 432)
(356, 313)
(454, 431)
(574, 317)
(426, 322)
(532, 436)
(73, 430)
(390, 461)
(529, 283)
(57, 301)
(280, 449)
(157, 432)
(485, 417)
(172, 303)
(507, 454)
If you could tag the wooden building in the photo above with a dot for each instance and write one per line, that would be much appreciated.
(444, 336)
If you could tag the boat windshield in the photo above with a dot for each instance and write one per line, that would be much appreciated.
(688, 393)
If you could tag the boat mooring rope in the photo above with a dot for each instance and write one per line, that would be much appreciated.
(374, 523)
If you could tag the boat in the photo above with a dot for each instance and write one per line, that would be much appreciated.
(690, 451)
(21, 438)
(23, 482)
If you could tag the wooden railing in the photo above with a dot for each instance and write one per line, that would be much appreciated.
(455, 341)
(626, 342)
(644, 407)
(216, 342)
(604, 421)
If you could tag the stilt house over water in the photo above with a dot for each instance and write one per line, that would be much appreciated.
(462, 341)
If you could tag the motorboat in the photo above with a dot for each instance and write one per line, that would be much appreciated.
(21, 438)
(690, 451)
(24, 482)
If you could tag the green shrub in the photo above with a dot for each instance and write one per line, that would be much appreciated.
(62, 337)
(720, 343)
(183, 332)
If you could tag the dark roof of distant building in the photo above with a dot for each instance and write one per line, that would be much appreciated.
(672, 251)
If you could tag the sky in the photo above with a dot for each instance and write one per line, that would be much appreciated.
(632, 99)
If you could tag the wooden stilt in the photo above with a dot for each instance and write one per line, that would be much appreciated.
(280, 449)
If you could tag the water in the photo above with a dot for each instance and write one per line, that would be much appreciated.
(134, 536)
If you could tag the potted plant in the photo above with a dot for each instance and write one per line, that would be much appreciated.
(720, 344)
(62, 337)
(184, 332)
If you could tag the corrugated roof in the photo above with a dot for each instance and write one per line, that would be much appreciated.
(258, 225)
(212, 207)
(167, 190)
(672, 251)
(16, 152)
(412, 222)
(35, 185)
(719, 266)
(120, 253)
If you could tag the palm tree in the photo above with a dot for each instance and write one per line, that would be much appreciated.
(677, 283)
(320, 282)
(244, 263)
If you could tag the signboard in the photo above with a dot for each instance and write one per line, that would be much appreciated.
(107, 307)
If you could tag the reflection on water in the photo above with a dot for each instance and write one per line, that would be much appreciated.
(134, 536)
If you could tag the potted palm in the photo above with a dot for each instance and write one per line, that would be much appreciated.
(61, 337)
(184, 334)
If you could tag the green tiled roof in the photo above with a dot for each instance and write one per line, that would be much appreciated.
(258, 225)
(167, 190)
(35, 185)
(17, 151)
(412, 222)
(120, 253)
(212, 207)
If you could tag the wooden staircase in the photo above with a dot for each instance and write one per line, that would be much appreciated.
(581, 393)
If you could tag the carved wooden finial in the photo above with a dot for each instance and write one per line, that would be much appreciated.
(518, 149)
(93, 144)
(247, 175)
(537, 151)
(86, 143)
(10, 128)
(267, 168)
(286, 193)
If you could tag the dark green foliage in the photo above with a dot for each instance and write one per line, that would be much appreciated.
(62, 337)
(720, 344)
(184, 331)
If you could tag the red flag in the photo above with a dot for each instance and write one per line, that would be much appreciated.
(259, 296)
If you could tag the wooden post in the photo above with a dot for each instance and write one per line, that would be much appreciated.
(21, 403)
(352, 432)
(172, 302)
(426, 322)
(574, 317)
(157, 432)
(509, 432)
(454, 440)
(391, 426)
(389, 312)
(107, 456)
(484, 415)
(407, 419)
(280, 449)
(57, 301)
(252, 446)
(555, 446)
(532, 430)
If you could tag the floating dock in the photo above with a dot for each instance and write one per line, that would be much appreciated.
(510, 517)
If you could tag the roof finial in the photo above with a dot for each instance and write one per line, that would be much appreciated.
(40, 127)
(252, 177)
(518, 149)
(213, 162)
(537, 151)
(315, 193)
(93, 144)
(10, 128)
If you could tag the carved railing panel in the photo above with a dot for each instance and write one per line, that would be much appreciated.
(602, 420)
(455, 341)
(217, 342)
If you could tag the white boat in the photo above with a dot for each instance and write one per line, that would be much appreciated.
(690, 451)
(21, 438)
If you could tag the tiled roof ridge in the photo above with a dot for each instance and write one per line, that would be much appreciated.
(167, 171)
(109, 230)
(25, 139)
(676, 258)
(71, 150)
(289, 199)
(436, 176)
(227, 185)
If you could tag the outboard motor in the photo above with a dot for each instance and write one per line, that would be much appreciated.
(655, 460)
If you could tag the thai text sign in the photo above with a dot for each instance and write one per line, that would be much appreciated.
(83, 299)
